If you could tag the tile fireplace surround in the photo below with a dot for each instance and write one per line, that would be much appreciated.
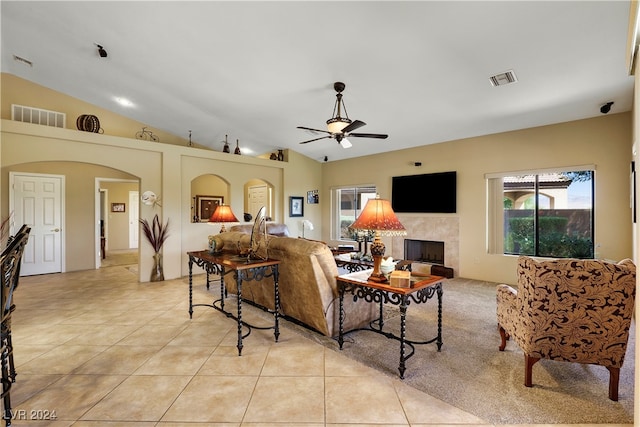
(443, 229)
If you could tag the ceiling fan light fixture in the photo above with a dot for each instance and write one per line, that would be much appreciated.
(345, 143)
(336, 124)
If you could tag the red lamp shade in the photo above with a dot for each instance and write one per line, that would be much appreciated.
(378, 216)
(223, 213)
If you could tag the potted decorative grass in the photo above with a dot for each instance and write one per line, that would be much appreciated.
(156, 234)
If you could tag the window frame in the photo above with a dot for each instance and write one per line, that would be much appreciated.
(337, 207)
(495, 207)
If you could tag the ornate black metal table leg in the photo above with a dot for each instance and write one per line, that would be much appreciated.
(6, 381)
(439, 339)
(223, 290)
(239, 282)
(276, 314)
(190, 287)
(381, 314)
(341, 315)
(403, 331)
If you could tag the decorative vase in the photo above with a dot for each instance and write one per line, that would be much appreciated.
(237, 151)
(280, 155)
(157, 273)
(225, 149)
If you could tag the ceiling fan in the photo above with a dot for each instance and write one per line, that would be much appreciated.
(339, 128)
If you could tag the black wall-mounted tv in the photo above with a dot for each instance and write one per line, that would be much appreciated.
(426, 193)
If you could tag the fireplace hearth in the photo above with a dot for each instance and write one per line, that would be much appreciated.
(427, 251)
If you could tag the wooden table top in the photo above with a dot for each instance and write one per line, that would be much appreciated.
(232, 260)
(417, 282)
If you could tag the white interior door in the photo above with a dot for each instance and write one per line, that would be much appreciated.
(37, 201)
(258, 197)
(134, 214)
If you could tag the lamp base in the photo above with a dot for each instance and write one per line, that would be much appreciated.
(377, 251)
(378, 278)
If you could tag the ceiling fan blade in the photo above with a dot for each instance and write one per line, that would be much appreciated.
(369, 135)
(313, 130)
(315, 139)
(356, 124)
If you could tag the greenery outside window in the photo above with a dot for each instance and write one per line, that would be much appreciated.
(349, 202)
(543, 213)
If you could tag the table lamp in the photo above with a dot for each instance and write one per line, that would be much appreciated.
(377, 216)
(223, 213)
(306, 224)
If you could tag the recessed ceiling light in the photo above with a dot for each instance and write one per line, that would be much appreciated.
(124, 102)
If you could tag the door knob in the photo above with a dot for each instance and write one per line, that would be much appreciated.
(56, 230)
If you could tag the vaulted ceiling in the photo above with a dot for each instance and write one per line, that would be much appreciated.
(418, 71)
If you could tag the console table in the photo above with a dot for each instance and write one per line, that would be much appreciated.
(242, 270)
(422, 289)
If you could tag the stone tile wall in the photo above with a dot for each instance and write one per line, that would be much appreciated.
(444, 229)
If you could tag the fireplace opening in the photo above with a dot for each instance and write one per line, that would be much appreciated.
(424, 251)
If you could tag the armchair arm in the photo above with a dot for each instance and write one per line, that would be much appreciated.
(506, 298)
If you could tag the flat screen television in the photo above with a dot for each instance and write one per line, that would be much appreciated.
(426, 193)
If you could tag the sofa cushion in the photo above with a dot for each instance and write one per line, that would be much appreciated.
(273, 228)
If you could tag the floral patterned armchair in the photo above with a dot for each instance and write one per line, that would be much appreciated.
(569, 310)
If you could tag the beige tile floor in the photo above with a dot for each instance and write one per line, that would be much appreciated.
(97, 348)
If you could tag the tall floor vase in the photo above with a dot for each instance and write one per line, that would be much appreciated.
(157, 273)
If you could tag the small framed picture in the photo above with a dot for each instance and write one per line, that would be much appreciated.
(312, 197)
(296, 206)
(206, 206)
(117, 207)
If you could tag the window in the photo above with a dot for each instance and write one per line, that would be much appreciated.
(542, 213)
(349, 204)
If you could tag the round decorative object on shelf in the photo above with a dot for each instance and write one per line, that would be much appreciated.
(88, 123)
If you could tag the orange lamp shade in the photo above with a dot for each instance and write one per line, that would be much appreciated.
(377, 215)
(223, 213)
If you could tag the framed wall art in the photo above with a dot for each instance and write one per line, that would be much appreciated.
(117, 207)
(296, 206)
(312, 197)
(206, 206)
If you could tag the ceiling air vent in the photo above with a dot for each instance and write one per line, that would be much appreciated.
(38, 116)
(503, 78)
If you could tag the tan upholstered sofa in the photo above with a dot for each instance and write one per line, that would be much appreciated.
(569, 310)
(307, 284)
(273, 228)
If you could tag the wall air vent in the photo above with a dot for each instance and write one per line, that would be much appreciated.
(38, 116)
(503, 78)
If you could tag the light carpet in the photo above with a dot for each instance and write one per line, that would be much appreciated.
(471, 374)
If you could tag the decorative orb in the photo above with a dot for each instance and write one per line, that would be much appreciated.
(149, 198)
(215, 244)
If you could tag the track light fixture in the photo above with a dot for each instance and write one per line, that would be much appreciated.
(101, 51)
(606, 107)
